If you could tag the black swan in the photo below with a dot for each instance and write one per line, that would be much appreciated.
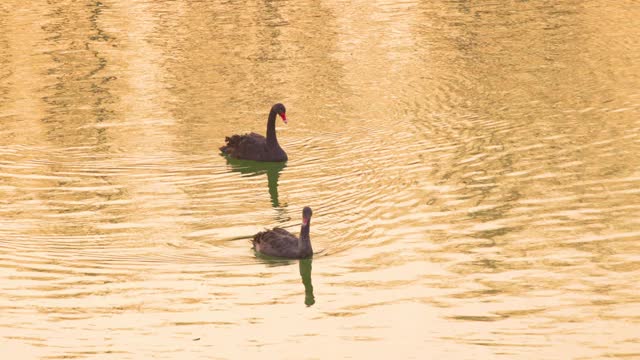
(256, 147)
(279, 242)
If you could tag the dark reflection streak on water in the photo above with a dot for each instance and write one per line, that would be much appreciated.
(100, 88)
(305, 274)
(304, 267)
(100, 85)
(327, 91)
(269, 18)
(5, 60)
(76, 74)
(253, 168)
(269, 51)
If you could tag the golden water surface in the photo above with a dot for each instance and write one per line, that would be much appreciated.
(473, 168)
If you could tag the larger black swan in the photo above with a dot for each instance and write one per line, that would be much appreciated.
(256, 147)
(279, 242)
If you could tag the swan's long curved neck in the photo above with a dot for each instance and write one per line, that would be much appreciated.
(304, 242)
(272, 140)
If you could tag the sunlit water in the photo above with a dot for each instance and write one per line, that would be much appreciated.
(473, 169)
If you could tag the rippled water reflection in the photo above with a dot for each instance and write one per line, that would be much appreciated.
(473, 170)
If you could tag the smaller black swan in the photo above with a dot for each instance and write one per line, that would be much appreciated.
(279, 242)
(256, 147)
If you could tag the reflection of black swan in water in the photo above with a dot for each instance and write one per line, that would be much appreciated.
(279, 242)
(305, 274)
(252, 168)
(256, 147)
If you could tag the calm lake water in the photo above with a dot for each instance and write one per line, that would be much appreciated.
(473, 168)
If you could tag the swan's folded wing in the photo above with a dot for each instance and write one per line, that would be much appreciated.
(245, 146)
(276, 242)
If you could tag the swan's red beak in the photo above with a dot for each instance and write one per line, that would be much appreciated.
(305, 221)
(284, 117)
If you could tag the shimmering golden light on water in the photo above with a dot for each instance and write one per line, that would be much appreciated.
(473, 170)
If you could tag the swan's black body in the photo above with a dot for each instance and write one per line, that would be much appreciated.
(279, 242)
(256, 147)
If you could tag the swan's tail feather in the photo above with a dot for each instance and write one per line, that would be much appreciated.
(231, 142)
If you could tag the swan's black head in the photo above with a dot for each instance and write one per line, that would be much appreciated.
(306, 215)
(280, 110)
